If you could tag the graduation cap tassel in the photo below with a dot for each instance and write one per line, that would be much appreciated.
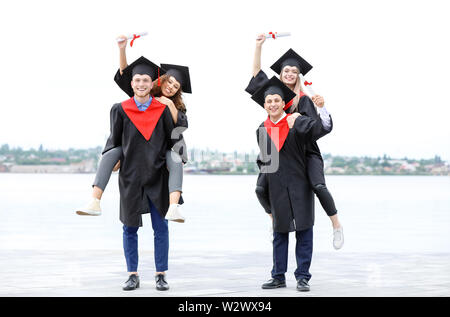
(159, 82)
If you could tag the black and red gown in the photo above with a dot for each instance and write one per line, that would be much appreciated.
(314, 160)
(290, 195)
(144, 136)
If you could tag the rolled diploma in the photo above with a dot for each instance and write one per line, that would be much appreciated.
(281, 34)
(130, 37)
(309, 89)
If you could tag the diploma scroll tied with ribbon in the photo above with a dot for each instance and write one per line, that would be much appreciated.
(275, 35)
(132, 37)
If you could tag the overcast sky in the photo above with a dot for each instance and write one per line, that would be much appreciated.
(382, 67)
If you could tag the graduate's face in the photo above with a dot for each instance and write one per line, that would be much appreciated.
(170, 87)
(141, 84)
(274, 105)
(289, 75)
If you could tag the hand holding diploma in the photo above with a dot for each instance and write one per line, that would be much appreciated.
(275, 35)
(122, 41)
(318, 101)
(260, 39)
(130, 37)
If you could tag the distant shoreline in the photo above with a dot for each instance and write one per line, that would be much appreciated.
(82, 161)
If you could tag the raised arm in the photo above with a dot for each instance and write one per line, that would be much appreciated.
(122, 53)
(257, 57)
(259, 78)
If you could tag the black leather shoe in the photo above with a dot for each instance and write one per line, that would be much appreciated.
(302, 285)
(161, 283)
(132, 283)
(273, 283)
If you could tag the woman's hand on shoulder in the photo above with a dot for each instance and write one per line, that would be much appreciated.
(291, 119)
(164, 100)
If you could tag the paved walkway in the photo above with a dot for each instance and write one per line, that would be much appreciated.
(100, 273)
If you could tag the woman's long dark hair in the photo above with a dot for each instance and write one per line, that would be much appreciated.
(177, 99)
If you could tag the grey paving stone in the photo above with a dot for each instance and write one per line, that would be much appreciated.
(101, 273)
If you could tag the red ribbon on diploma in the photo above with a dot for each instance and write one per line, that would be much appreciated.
(307, 84)
(273, 35)
(134, 37)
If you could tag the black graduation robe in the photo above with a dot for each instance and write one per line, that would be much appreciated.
(182, 122)
(290, 194)
(143, 172)
(305, 107)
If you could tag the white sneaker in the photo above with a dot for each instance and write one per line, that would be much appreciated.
(174, 213)
(92, 209)
(338, 238)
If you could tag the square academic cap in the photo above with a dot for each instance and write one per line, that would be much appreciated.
(143, 66)
(181, 74)
(271, 87)
(291, 58)
(140, 66)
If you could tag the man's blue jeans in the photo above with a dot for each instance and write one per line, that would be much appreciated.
(161, 242)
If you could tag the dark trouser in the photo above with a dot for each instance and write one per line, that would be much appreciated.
(316, 179)
(303, 254)
(325, 198)
(161, 242)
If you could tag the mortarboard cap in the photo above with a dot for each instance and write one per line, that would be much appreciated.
(143, 66)
(291, 58)
(271, 87)
(181, 74)
(140, 66)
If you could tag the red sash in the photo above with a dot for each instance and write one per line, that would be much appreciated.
(283, 130)
(144, 121)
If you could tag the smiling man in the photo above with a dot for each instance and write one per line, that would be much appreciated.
(142, 126)
(282, 138)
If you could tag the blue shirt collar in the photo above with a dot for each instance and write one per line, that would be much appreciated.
(143, 106)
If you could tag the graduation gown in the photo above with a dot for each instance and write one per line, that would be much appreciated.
(182, 122)
(143, 172)
(305, 107)
(290, 194)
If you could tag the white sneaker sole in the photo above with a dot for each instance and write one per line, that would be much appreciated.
(85, 213)
(176, 220)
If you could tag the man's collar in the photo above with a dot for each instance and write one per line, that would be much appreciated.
(282, 116)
